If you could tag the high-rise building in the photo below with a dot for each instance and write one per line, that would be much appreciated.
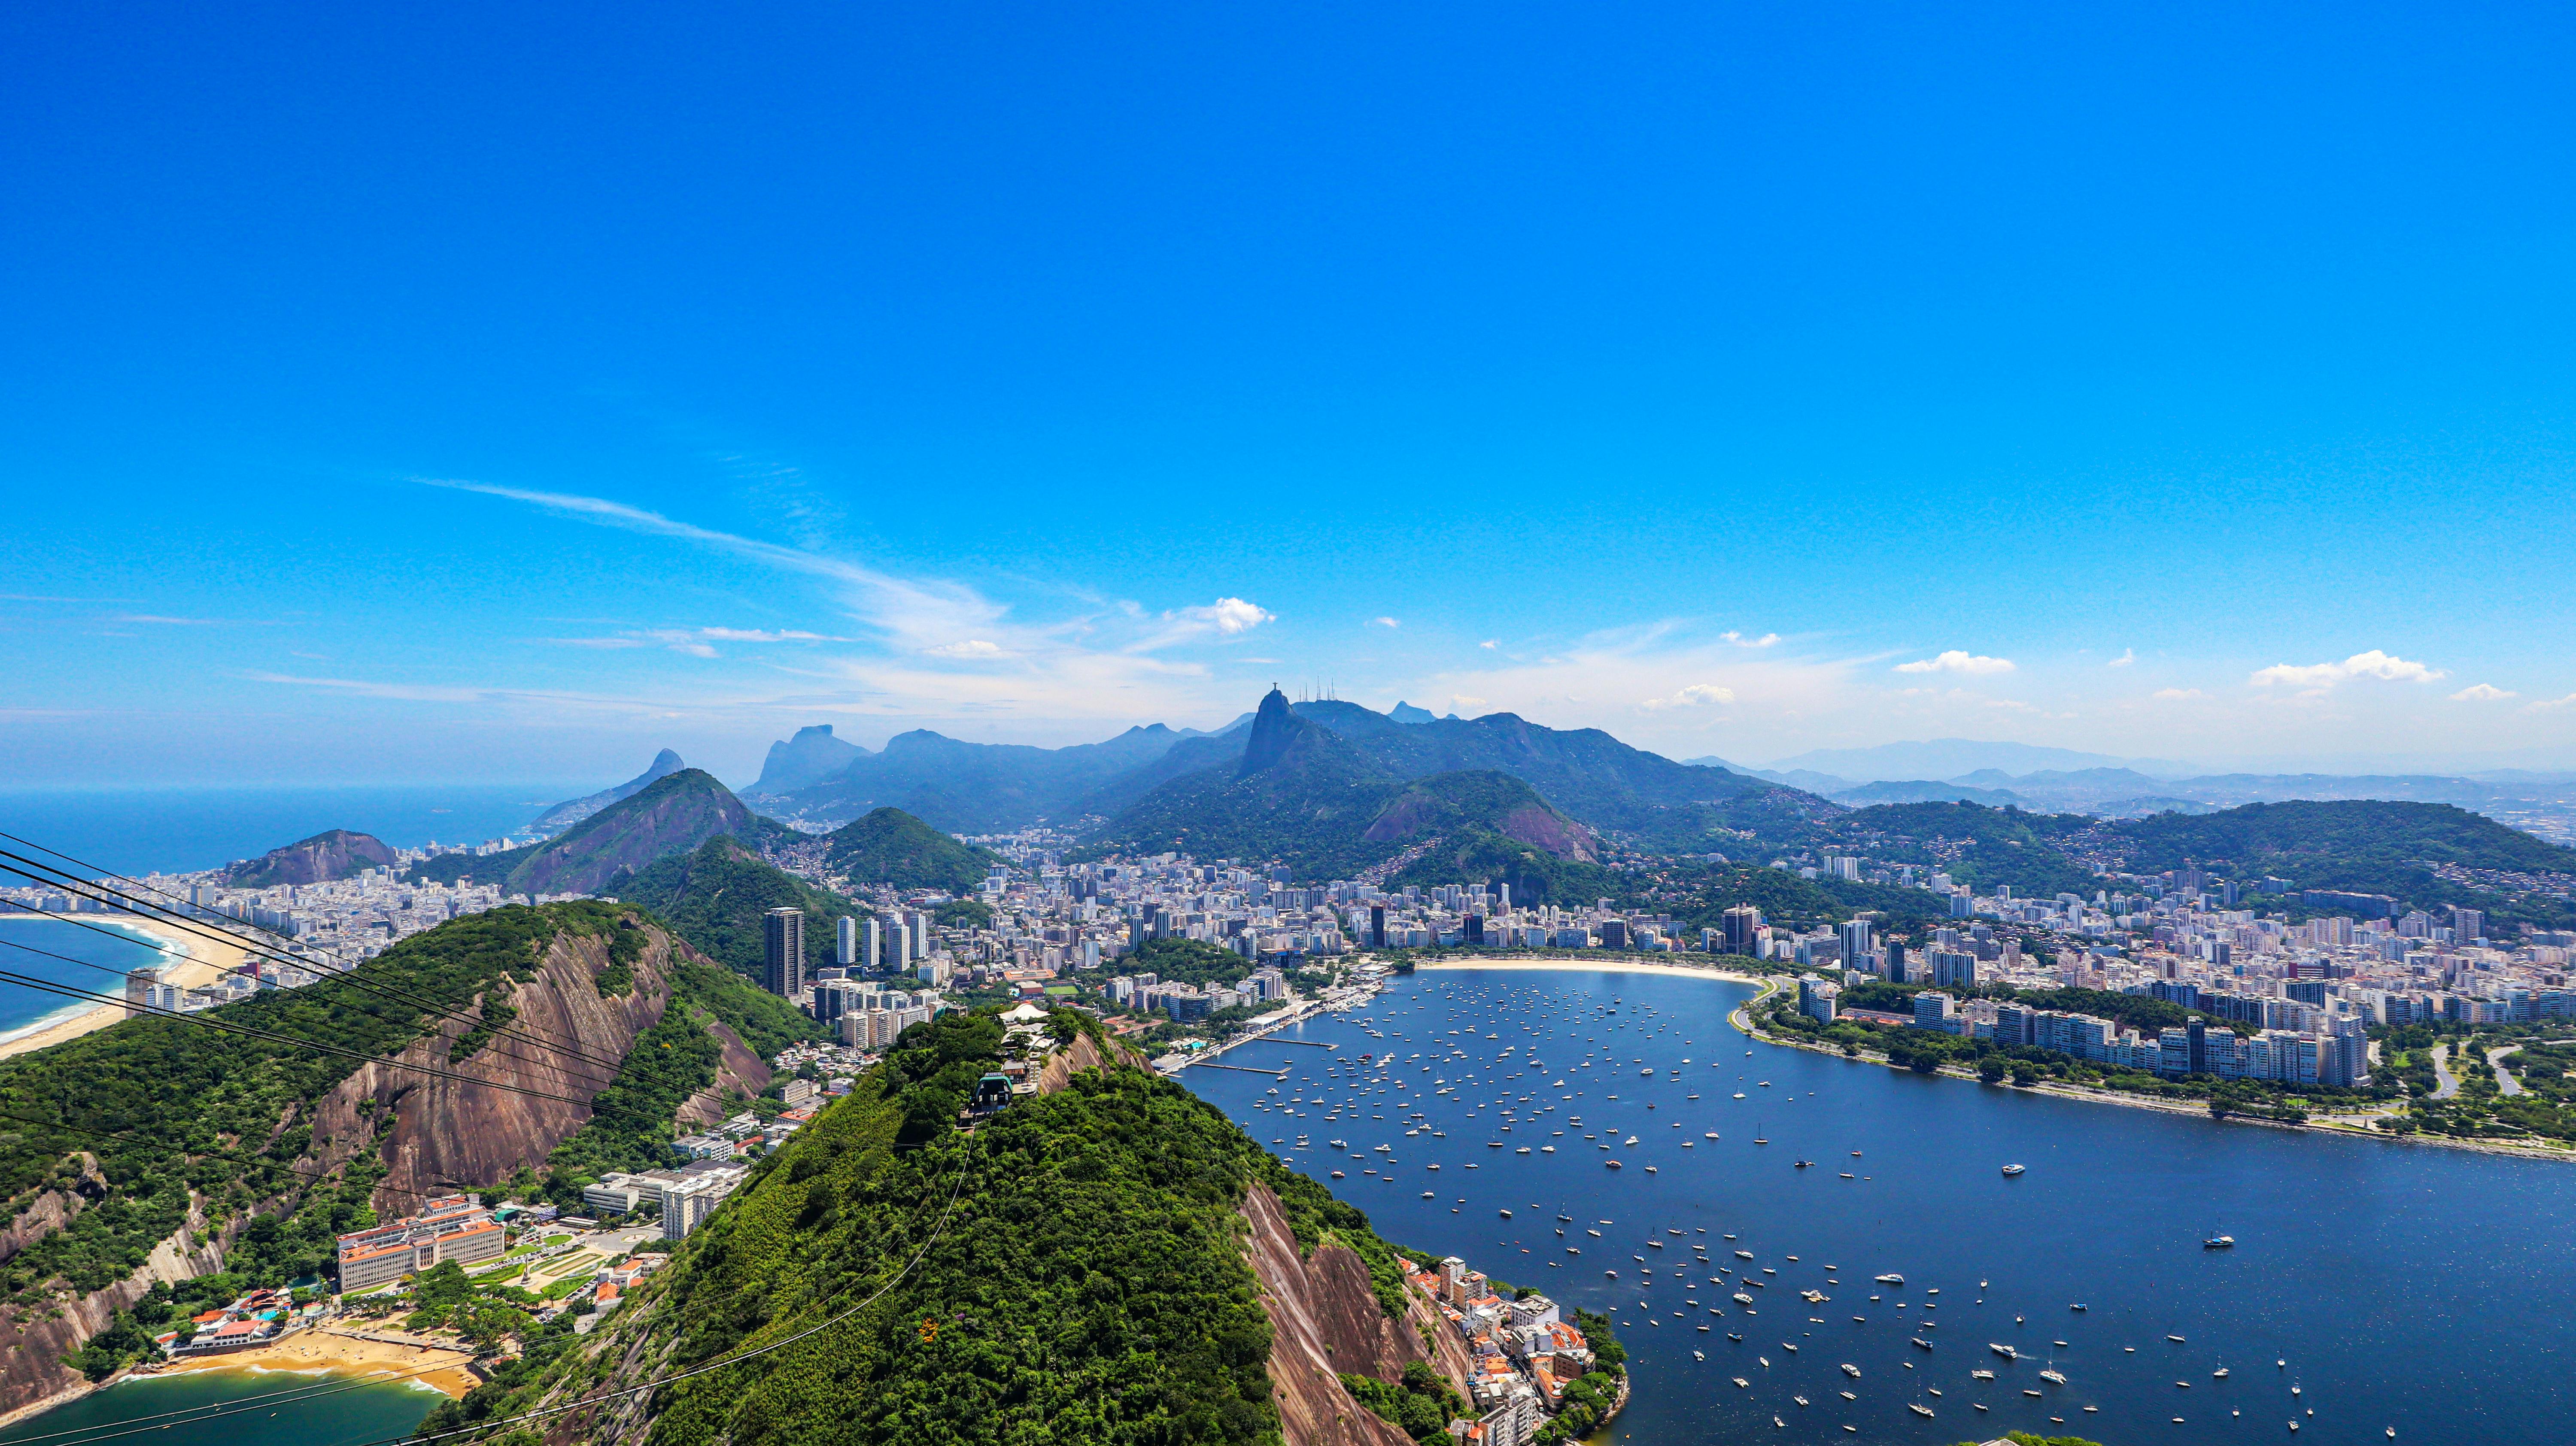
(2467, 924)
(876, 947)
(1377, 926)
(782, 940)
(1739, 926)
(845, 950)
(1857, 942)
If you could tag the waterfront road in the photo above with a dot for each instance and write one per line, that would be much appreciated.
(2447, 1085)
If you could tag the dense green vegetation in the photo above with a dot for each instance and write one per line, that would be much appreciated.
(1421, 1405)
(2541, 1056)
(715, 895)
(2358, 845)
(890, 846)
(1979, 846)
(1480, 855)
(1087, 1283)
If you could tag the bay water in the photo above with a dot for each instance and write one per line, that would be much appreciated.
(2394, 1286)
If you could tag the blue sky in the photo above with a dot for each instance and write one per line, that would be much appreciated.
(483, 395)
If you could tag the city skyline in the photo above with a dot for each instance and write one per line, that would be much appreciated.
(2182, 386)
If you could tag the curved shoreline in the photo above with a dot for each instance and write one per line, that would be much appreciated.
(1741, 1018)
(190, 961)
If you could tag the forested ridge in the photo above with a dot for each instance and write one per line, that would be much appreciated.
(137, 1116)
(1087, 1284)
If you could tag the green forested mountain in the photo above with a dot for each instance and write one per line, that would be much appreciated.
(890, 846)
(1303, 794)
(2315, 844)
(1073, 1270)
(1980, 846)
(715, 895)
(671, 815)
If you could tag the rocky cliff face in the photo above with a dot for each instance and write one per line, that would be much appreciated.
(1326, 1322)
(435, 1134)
(446, 1133)
(32, 1373)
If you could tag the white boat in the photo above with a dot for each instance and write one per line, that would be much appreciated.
(1983, 1375)
(1891, 1278)
(1851, 1370)
(1918, 1410)
(2052, 1375)
(2007, 1352)
(2012, 1170)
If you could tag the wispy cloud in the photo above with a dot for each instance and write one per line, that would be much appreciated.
(1697, 695)
(1384, 623)
(1767, 640)
(2176, 695)
(2483, 693)
(2372, 664)
(2127, 657)
(1957, 661)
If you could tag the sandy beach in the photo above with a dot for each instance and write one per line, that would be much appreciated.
(206, 960)
(327, 1350)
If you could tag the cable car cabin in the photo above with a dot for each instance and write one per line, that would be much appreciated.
(991, 1093)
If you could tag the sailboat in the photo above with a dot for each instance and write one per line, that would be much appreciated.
(1761, 1134)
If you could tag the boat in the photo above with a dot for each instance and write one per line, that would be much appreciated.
(2177, 1340)
(1523, 1150)
(1922, 1343)
(2051, 1374)
(1918, 1410)
(1337, 1174)
(1544, 1150)
(1801, 1164)
(1801, 1400)
(1650, 1169)
(2012, 1170)
(2219, 1242)
(1983, 1375)
(1507, 1214)
(1711, 1135)
(1744, 1255)
(1891, 1278)
(1740, 1381)
(2007, 1352)
(1699, 1356)
(1613, 1164)
(1740, 1298)
(1851, 1370)
(2219, 1375)
(1631, 1140)
(1493, 1144)
(1426, 1194)
(1814, 1297)
(2079, 1305)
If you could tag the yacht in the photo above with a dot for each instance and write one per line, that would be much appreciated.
(2012, 1170)
(1983, 1375)
(1891, 1278)
(2051, 1374)
(2007, 1352)
(2219, 1242)
(1851, 1370)
(1918, 1410)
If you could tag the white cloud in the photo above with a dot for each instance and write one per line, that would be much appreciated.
(1957, 661)
(2176, 695)
(2372, 664)
(2127, 656)
(2550, 705)
(2483, 693)
(1741, 641)
(1490, 644)
(1697, 695)
(1229, 615)
(1461, 700)
(1384, 623)
(971, 648)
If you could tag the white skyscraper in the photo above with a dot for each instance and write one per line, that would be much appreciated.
(847, 951)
